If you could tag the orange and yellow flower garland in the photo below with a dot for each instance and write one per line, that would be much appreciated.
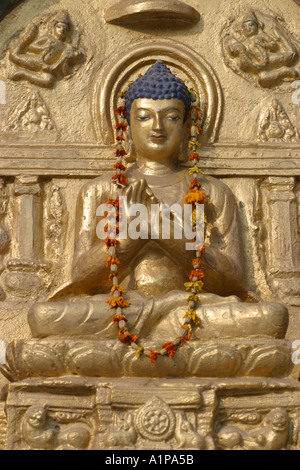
(194, 196)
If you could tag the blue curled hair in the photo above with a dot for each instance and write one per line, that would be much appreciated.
(158, 83)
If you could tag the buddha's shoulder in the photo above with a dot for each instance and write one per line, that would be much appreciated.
(97, 186)
(215, 188)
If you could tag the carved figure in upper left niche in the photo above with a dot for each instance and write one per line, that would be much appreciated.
(45, 51)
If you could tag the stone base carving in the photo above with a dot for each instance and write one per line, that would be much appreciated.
(225, 358)
(198, 414)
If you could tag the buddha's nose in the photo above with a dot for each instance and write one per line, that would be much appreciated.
(158, 123)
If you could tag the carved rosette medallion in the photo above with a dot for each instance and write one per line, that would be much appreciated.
(156, 421)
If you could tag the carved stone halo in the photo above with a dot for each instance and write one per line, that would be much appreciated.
(155, 420)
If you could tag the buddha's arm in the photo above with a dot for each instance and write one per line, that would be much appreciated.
(223, 261)
(90, 255)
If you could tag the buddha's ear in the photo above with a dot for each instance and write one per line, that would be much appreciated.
(129, 147)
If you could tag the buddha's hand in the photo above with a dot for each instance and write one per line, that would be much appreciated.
(138, 192)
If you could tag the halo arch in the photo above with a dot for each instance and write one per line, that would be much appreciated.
(119, 70)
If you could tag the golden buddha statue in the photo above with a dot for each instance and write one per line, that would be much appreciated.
(153, 271)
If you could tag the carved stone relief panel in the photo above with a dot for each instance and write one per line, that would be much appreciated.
(281, 211)
(46, 51)
(268, 433)
(31, 116)
(260, 48)
(275, 125)
(205, 415)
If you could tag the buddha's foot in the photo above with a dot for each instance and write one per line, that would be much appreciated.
(88, 358)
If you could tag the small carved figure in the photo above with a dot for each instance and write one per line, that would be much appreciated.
(186, 436)
(269, 56)
(272, 436)
(125, 437)
(35, 430)
(74, 437)
(275, 125)
(42, 60)
(40, 432)
(31, 116)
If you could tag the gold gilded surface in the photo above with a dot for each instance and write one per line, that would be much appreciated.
(72, 385)
(133, 13)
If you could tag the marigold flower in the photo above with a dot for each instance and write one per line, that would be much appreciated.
(195, 196)
(120, 179)
(126, 337)
(121, 126)
(120, 138)
(112, 260)
(117, 288)
(112, 242)
(153, 356)
(121, 111)
(188, 337)
(193, 145)
(197, 261)
(192, 315)
(197, 273)
(194, 156)
(120, 153)
(195, 170)
(196, 113)
(170, 348)
(199, 246)
(139, 351)
(118, 302)
(113, 202)
(202, 250)
(196, 286)
(119, 166)
(112, 229)
(112, 276)
(193, 298)
(118, 318)
(195, 184)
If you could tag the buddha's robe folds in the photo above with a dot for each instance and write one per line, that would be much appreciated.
(153, 273)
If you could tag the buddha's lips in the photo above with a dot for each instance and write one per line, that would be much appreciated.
(158, 137)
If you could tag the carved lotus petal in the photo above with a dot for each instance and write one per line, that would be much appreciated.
(163, 367)
(93, 360)
(268, 361)
(41, 360)
(215, 361)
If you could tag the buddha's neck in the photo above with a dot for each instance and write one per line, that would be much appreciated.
(156, 168)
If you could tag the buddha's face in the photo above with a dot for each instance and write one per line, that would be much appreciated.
(156, 128)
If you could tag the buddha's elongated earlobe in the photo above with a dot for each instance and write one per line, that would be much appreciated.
(129, 147)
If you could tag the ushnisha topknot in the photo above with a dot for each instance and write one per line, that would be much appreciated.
(158, 83)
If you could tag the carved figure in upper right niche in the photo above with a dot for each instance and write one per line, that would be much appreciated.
(261, 51)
